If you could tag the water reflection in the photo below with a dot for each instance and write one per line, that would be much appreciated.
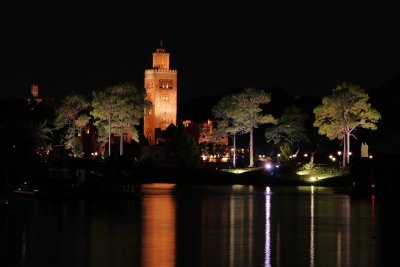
(239, 217)
(240, 228)
(312, 228)
(267, 227)
(205, 226)
(343, 234)
(158, 233)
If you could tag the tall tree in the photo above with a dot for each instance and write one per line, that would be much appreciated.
(289, 129)
(41, 134)
(244, 112)
(225, 114)
(120, 107)
(342, 112)
(71, 114)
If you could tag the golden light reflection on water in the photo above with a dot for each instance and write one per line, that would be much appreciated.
(238, 220)
(159, 224)
(168, 226)
(157, 186)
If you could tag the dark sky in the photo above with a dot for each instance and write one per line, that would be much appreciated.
(306, 47)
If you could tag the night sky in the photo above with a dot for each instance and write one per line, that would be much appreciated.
(305, 47)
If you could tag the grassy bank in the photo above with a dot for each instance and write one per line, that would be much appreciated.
(319, 176)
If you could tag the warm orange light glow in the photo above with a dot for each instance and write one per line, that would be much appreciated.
(35, 90)
(161, 90)
(158, 186)
(159, 226)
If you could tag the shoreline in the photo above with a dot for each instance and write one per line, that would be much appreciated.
(97, 186)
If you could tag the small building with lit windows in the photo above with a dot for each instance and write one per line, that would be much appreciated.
(213, 147)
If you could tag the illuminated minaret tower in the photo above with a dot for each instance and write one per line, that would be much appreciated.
(34, 94)
(35, 90)
(160, 83)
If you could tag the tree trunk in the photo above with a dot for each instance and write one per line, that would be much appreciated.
(121, 145)
(234, 151)
(344, 148)
(109, 137)
(348, 145)
(312, 157)
(251, 148)
(73, 143)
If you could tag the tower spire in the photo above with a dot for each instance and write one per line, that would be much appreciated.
(161, 49)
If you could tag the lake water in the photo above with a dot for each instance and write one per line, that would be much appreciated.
(165, 225)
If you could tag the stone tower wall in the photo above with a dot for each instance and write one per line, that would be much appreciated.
(161, 88)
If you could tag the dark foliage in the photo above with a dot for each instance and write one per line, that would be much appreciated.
(184, 149)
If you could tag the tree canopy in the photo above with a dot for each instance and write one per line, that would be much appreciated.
(289, 128)
(342, 112)
(120, 107)
(242, 112)
(71, 114)
(227, 121)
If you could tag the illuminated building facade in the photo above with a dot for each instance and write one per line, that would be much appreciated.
(213, 147)
(203, 133)
(160, 83)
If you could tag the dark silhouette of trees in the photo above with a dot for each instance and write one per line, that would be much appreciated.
(289, 130)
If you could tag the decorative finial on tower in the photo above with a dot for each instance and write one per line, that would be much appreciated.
(161, 49)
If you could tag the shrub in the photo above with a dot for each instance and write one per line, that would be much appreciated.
(308, 166)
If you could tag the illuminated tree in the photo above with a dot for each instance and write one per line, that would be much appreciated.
(244, 113)
(71, 114)
(120, 108)
(41, 136)
(342, 112)
(227, 123)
